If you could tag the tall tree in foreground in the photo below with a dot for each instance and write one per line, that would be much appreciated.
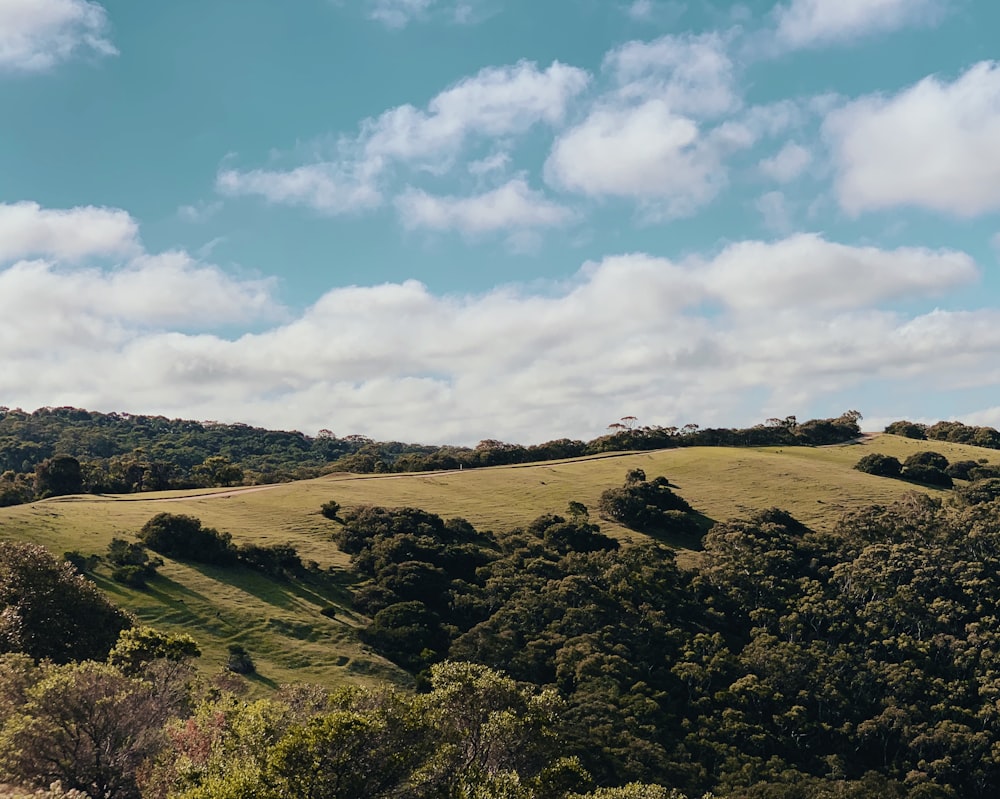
(48, 610)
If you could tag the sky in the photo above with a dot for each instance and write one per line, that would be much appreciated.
(441, 221)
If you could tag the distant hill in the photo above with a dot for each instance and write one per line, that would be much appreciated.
(280, 621)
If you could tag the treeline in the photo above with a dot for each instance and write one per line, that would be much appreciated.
(955, 432)
(58, 451)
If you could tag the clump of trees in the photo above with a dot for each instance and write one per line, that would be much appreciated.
(185, 538)
(927, 467)
(649, 506)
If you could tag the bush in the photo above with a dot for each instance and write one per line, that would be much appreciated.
(879, 465)
(240, 661)
(928, 475)
(132, 576)
(641, 505)
(928, 458)
(183, 537)
(979, 492)
(907, 430)
(330, 509)
(961, 470)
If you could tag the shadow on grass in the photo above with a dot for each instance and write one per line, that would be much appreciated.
(286, 593)
(260, 679)
(683, 539)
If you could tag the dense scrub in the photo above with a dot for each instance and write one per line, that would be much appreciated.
(789, 661)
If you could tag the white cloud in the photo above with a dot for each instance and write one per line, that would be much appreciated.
(515, 205)
(774, 209)
(323, 187)
(787, 164)
(933, 145)
(27, 229)
(398, 13)
(496, 102)
(670, 341)
(808, 23)
(645, 152)
(691, 74)
(806, 270)
(199, 212)
(36, 35)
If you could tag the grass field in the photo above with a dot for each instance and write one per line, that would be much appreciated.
(280, 623)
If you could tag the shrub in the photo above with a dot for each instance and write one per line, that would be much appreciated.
(927, 458)
(879, 465)
(928, 475)
(240, 661)
(183, 537)
(907, 430)
(330, 509)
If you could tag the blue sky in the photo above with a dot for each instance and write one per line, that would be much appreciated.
(447, 220)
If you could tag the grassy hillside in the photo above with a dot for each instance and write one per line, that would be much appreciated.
(280, 623)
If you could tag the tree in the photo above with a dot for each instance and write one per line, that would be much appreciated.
(180, 536)
(86, 725)
(218, 470)
(48, 610)
(141, 645)
(879, 465)
(58, 476)
(907, 429)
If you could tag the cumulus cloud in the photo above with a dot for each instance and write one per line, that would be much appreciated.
(496, 102)
(36, 35)
(933, 145)
(669, 341)
(514, 205)
(27, 229)
(646, 152)
(808, 23)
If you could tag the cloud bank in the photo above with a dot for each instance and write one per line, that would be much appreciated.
(669, 341)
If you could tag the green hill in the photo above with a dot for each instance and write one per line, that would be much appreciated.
(280, 622)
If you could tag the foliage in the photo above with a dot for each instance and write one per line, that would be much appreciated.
(48, 610)
(330, 509)
(86, 725)
(141, 645)
(879, 465)
(646, 506)
(132, 563)
(907, 429)
(239, 661)
(57, 476)
(184, 537)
